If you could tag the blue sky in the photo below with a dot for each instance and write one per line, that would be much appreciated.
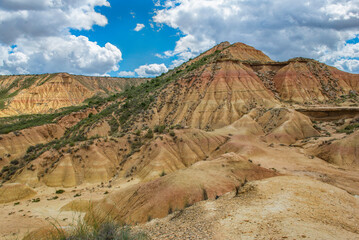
(98, 37)
(138, 48)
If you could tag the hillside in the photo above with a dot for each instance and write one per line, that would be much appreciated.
(221, 137)
(33, 94)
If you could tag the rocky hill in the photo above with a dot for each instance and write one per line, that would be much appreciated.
(230, 137)
(33, 94)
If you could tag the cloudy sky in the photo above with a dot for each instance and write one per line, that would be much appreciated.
(148, 37)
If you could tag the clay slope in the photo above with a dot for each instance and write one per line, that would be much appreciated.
(100, 160)
(277, 125)
(15, 144)
(243, 52)
(155, 199)
(96, 161)
(286, 126)
(284, 207)
(29, 94)
(343, 152)
(15, 191)
(306, 81)
(168, 154)
(89, 162)
(213, 97)
(237, 78)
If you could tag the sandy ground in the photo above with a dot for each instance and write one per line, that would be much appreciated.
(275, 208)
(21, 217)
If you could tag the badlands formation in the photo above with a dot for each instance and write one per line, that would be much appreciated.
(230, 145)
(31, 94)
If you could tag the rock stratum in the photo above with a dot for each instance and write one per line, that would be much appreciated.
(33, 94)
(229, 145)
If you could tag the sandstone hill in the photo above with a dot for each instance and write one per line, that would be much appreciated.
(30, 94)
(243, 133)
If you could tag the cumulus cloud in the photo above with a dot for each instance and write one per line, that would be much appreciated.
(35, 37)
(283, 29)
(72, 54)
(139, 27)
(346, 57)
(126, 74)
(151, 70)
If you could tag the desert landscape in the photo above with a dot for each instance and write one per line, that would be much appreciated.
(229, 145)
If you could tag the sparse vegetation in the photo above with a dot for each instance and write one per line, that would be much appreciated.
(317, 127)
(60, 191)
(240, 186)
(11, 124)
(160, 129)
(163, 173)
(205, 195)
(82, 230)
(149, 133)
(172, 133)
(349, 128)
(138, 132)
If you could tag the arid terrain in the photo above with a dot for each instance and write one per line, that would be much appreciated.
(229, 145)
(45, 93)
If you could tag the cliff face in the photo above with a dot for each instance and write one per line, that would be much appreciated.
(30, 94)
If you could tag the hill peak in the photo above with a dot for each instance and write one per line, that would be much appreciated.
(244, 52)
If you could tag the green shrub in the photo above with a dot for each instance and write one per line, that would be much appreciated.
(60, 191)
(149, 133)
(108, 230)
(14, 162)
(349, 129)
(159, 129)
(163, 173)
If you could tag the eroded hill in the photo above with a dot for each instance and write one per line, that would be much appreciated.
(33, 94)
(203, 131)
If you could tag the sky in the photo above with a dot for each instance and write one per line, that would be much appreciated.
(144, 38)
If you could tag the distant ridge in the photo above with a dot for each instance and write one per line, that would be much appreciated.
(29, 94)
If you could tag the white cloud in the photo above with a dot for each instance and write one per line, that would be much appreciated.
(283, 28)
(139, 27)
(40, 32)
(157, 3)
(176, 63)
(351, 65)
(151, 70)
(126, 74)
(72, 54)
(346, 57)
